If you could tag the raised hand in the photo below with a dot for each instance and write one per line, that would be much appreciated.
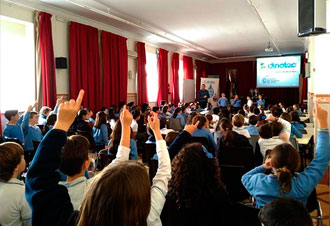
(321, 116)
(126, 117)
(191, 128)
(154, 124)
(67, 112)
(29, 109)
(59, 101)
(35, 105)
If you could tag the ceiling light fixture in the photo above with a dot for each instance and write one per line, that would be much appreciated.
(269, 49)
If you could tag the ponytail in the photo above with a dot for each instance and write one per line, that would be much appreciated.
(228, 137)
(284, 176)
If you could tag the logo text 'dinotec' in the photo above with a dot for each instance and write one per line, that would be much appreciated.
(282, 65)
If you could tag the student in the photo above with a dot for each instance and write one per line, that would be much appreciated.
(111, 118)
(14, 207)
(296, 109)
(223, 101)
(164, 112)
(249, 101)
(215, 115)
(51, 120)
(252, 128)
(100, 131)
(74, 163)
(238, 122)
(44, 112)
(80, 122)
(91, 121)
(178, 114)
(237, 103)
(13, 128)
(285, 161)
(163, 126)
(275, 116)
(294, 130)
(285, 212)
(123, 187)
(114, 142)
(156, 109)
(136, 117)
(260, 101)
(209, 122)
(296, 121)
(202, 132)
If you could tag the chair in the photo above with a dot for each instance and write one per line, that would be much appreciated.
(89, 136)
(105, 158)
(294, 143)
(253, 141)
(204, 141)
(6, 139)
(314, 204)
(237, 156)
(153, 168)
(246, 215)
(148, 152)
(175, 124)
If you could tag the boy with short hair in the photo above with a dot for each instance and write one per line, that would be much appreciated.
(13, 128)
(14, 209)
(74, 163)
(238, 122)
(252, 128)
(44, 112)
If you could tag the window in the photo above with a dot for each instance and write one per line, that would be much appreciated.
(17, 73)
(152, 76)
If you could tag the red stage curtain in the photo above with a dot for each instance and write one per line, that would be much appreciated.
(188, 68)
(48, 75)
(174, 86)
(142, 74)
(85, 64)
(203, 69)
(162, 76)
(115, 67)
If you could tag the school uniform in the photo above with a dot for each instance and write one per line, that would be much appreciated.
(101, 135)
(295, 132)
(223, 102)
(14, 210)
(242, 131)
(15, 131)
(205, 133)
(30, 133)
(253, 130)
(133, 155)
(42, 119)
(260, 102)
(77, 189)
(270, 143)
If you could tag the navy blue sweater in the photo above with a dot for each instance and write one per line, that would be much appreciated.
(49, 201)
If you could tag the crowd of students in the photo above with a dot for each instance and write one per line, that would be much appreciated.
(187, 188)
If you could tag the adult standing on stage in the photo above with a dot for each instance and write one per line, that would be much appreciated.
(223, 101)
(260, 101)
(203, 96)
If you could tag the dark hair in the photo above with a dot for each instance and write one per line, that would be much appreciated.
(285, 212)
(144, 107)
(82, 113)
(277, 111)
(202, 120)
(286, 116)
(162, 122)
(164, 110)
(195, 178)
(228, 136)
(10, 157)
(115, 138)
(295, 117)
(253, 119)
(120, 195)
(32, 114)
(216, 110)
(286, 162)
(111, 113)
(176, 112)
(266, 131)
(136, 113)
(277, 128)
(256, 111)
(170, 136)
(101, 118)
(155, 109)
(289, 109)
(74, 153)
(238, 120)
(10, 113)
(209, 118)
(191, 116)
(51, 120)
(241, 112)
(44, 110)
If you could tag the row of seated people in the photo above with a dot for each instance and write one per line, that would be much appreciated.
(192, 193)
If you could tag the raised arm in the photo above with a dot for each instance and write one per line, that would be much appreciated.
(49, 201)
(26, 119)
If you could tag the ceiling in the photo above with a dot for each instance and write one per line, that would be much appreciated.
(210, 29)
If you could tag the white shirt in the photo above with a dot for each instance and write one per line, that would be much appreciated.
(159, 183)
(286, 126)
(270, 143)
(242, 131)
(215, 118)
(134, 126)
(165, 131)
(76, 189)
(14, 209)
(249, 103)
(112, 124)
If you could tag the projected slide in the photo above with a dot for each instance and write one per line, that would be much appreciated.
(278, 71)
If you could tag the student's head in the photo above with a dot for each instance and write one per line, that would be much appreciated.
(294, 116)
(83, 115)
(202, 121)
(256, 111)
(203, 86)
(45, 111)
(285, 212)
(195, 177)
(265, 131)
(170, 136)
(241, 112)
(276, 111)
(12, 115)
(238, 120)
(144, 107)
(176, 112)
(34, 118)
(285, 161)
(277, 128)
(11, 160)
(236, 97)
(101, 118)
(155, 109)
(295, 107)
(253, 120)
(260, 97)
(89, 111)
(51, 119)
(191, 116)
(248, 98)
(216, 111)
(165, 109)
(286, 116)
(136, 114)
(74, 157)
(120, 195)
(289, 109)
(226, 128)
(223, 95)
(281, 105)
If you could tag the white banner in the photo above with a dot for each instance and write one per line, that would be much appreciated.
(212, 85)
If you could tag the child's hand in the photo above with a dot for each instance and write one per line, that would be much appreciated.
(59, 101)
(268, 164)
(35, 105)
(153, 121)
(67, 112)
(126, 117)
(321, 116)
(29, 109)
(191, 128)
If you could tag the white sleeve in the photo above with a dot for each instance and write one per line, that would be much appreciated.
(25, 212)
(286, 126)
(122, 155)
(159, 184)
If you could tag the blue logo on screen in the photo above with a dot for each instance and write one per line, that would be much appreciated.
(282, 65)
(264, 80)
(262, 65)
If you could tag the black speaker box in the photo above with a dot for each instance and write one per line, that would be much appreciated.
(61, 63)
(311, 17)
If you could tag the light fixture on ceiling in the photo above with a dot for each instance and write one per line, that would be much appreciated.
(269, 49)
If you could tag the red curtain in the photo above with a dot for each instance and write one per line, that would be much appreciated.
(203, 69)
(48, 75)
(174, 85)
(188, 68)
(142, 74)
(304, 90)
(162, 76)
(85, 64)
(114, 60)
